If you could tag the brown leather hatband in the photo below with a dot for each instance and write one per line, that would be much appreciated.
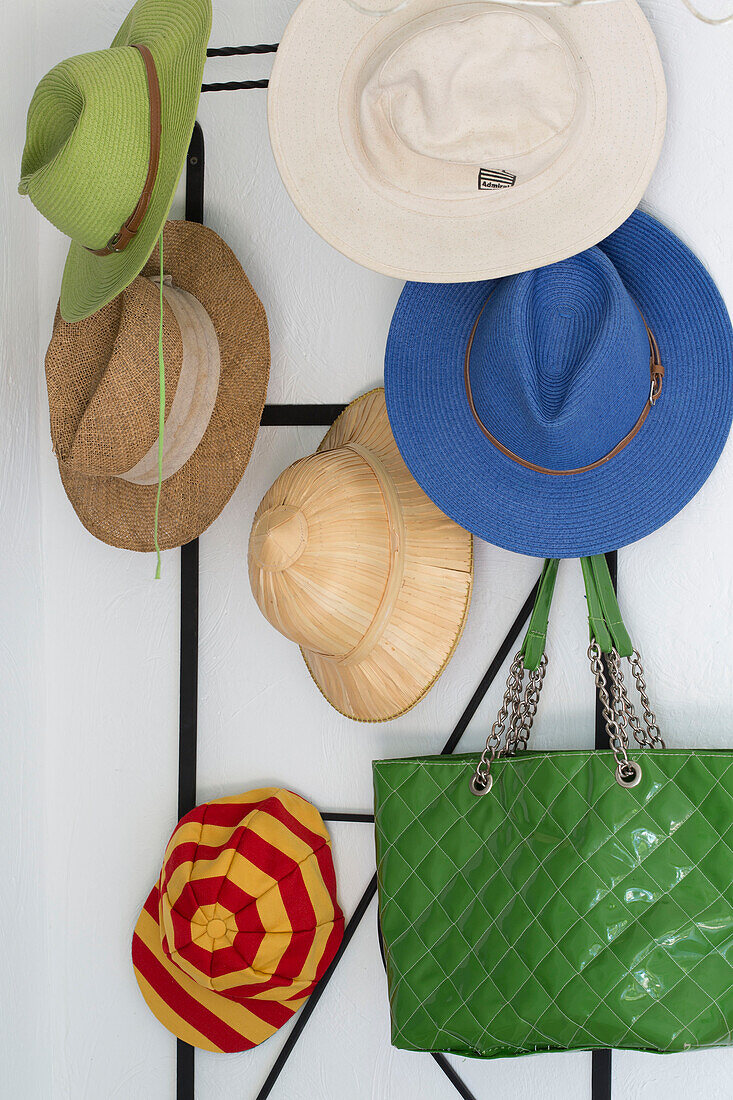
(656, 371)
(121, 239)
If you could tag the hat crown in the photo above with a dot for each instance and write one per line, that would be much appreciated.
(109, 424)
(279, 537)
(87, 148)
(320, 551)
(108, 421)
(559, 365)
(438, 84)
(243, 880)
(469, 98)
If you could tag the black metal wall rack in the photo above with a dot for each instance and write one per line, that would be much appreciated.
(297, 416)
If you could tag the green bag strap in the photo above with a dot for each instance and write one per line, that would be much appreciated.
(605, 623)
(535, 640)
(609, 634)
(604, 615)
(599, 632)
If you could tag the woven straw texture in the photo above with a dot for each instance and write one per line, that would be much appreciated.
(560, 911)
(102, 377)
(358, 567)
(88, 143)
(629, 496)
(243, 921)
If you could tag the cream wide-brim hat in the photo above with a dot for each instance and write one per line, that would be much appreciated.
(351, 560)
(457, 142)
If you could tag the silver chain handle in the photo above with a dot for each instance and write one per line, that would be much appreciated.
(628, 772)
(650, 719)
(524, 712)
(481, 780)
(623, 706)
(518, 709)
(649, 737)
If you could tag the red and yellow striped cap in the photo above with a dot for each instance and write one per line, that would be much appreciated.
(242, 922)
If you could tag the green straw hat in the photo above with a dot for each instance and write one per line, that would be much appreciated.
(106, 140)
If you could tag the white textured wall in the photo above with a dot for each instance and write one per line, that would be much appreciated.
(25, 903)
(88, 649)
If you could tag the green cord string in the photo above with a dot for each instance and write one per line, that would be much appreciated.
(161, 411)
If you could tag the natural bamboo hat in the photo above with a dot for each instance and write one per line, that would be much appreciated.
(106, 143)
(103, 392)
(351, 560)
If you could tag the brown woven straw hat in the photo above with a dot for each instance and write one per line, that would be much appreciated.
(103, 392)
(350, 559)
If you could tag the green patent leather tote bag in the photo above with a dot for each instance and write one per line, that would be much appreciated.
(564, 900)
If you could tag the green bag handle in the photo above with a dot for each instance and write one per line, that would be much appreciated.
(605, 624)
(604, 615)
(535, 640)
(608, 633)
(598, 629)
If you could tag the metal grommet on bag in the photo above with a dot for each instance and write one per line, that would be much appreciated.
(628, 773)
(518, 709)
(478, 788)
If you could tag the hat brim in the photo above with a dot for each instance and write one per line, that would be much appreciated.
(600, 510)
(585, 195)
(176, 33)
(430, 611)
(121, 513)
(192, 1012)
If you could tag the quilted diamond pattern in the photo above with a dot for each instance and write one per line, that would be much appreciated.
(560, 911)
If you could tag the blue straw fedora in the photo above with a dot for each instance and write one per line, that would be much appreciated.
(568, 410)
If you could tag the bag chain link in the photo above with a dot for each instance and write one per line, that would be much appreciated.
(519, 708)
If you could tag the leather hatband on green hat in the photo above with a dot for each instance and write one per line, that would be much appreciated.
(91, 137)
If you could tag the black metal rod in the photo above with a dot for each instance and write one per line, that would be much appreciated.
(366, 898)
(601, 1060)
(185, 1071)
(601, 1074)
(188, 706)
(502, 653)
(336, 816)
(188, 721)
(280, 415)
(601, 741)
(460, 728)
(305, 1012)
(297, 416)
(458, 1083)
(232, 51)
(450, 745)
(234, 86)
(441, 1060)
(195, 165)
(189, 666)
